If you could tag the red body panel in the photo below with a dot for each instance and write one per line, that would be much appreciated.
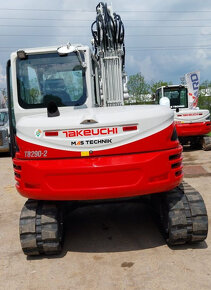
(129, 170)
(193, 129)
(99, 177)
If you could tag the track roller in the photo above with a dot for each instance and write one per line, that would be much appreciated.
(41, 228)
(206, 143)
(183, 215)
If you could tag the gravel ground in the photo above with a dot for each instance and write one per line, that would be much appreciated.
(114, 246)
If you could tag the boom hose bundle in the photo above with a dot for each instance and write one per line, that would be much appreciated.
(109, 50)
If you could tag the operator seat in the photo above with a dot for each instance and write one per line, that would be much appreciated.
(175, 99)
(55, 90)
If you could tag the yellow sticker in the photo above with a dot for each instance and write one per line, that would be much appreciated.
(85, 153)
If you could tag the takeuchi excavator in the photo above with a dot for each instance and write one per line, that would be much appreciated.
(73, 140)
(192, 124)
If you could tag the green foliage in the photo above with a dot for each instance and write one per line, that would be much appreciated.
(204, 102)
(155, 85)
(205, 85)
(34, 94)
(138, 88)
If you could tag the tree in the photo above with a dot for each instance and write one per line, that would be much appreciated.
(138, 88)
(34, 94)
(204, 101)
(155, 85)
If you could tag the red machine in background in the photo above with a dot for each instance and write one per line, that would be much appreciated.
(192, 124)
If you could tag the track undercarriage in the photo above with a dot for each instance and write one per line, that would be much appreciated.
(182, 214)
(197, 142)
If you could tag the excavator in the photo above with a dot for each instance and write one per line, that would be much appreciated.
(74, 141)
(192, 124)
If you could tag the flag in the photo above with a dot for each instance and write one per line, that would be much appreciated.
(192, 81)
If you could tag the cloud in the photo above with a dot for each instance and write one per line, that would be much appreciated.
(154, 64)
(144, 65)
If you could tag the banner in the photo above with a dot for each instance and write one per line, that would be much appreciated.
(192, 81)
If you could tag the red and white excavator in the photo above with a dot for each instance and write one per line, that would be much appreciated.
(192, 124)
(73, 140)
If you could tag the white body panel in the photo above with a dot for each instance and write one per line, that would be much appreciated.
(148, 119)
(191, 115)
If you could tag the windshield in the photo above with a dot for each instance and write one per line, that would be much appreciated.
(42, 78)
(3, 118)
(178, 96)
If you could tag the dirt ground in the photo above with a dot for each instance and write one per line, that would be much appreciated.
(114, 246)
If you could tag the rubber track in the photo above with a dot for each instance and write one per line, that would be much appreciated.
(206, 143)
(40, 228)
(187, 215)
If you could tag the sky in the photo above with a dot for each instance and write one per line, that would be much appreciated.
(163, 39)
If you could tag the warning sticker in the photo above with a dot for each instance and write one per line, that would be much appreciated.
(85, 153)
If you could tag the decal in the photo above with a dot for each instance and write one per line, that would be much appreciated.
(193, 80)
(91, 142)
(38, 133)
(90, 132)
(85, 153)
(190, 114)
(36, 154)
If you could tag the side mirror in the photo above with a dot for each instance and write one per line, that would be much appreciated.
(164, 101)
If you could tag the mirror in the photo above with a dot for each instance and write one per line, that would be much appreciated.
(65, 49)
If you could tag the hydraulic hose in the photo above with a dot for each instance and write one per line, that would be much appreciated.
(108, 31)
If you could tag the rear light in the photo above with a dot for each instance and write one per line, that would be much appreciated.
(129, 128)
(51, 133)
(21, 54)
